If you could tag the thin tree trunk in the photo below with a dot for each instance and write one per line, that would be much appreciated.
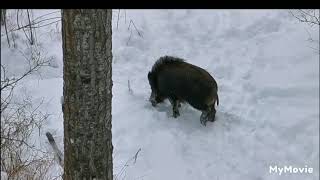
(87, 92)
(3, 16)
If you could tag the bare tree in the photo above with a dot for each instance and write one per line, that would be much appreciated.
(87, 92)
(3, 16)
(312, 18)
(20, 118)
(309, 16)
(22, 156)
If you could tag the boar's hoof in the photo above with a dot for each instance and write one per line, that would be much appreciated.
(204, 118)
(212, 119)
(176, 114)
(203, 122)
(212, 116)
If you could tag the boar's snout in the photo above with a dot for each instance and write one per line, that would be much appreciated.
(153, 100)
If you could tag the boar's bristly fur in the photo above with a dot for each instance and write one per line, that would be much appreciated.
(179, 81)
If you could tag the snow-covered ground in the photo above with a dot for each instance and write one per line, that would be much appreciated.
(268, 78)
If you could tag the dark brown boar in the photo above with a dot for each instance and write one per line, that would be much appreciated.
(179, 81)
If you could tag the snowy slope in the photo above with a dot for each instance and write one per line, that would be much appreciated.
(268, 78)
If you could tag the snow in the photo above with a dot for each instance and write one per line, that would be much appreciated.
(268, 78)
(4, 175)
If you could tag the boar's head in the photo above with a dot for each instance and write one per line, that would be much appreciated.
(155, 96)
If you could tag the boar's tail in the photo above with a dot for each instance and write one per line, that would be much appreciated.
(216, 99)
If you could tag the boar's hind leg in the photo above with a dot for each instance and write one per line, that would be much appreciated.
(212, 113)
(208, 115)
(175, 103)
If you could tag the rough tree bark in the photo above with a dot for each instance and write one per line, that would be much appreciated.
(87, 92)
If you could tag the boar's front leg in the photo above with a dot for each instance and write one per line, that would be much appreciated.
(175, 107)
(204, 118)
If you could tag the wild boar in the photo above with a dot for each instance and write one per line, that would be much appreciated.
(174, 79)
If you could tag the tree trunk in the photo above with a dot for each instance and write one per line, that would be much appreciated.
(87, 92)
(3, 16)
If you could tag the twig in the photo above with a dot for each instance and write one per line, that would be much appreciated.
(26, 34)
(46, 15)
(118, 18)
(5, 27)
(3, 72)
(22, 142)
(18, 18)
(129, 87)
(48, 24)
(135, 28)
(136, 156)
(304, 17)
(15, 81)
(312, 16)
(127, 164)
(31, 34)
(5, 102)
(32, 69)
(35, 23)
(315, 49)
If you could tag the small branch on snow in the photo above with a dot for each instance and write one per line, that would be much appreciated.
(129, 87)
(117, 176)
(136, 156)
(131, 22)
(58, 154)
